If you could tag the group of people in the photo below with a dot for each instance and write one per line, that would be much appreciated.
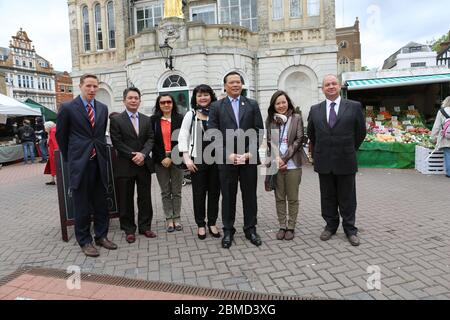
(167, 143)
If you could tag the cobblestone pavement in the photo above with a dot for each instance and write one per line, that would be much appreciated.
(403, 216)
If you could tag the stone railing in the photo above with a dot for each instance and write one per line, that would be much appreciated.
(303, 35)
(100, 58)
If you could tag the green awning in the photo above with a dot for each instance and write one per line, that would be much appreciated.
(47, 114)
(396, 82)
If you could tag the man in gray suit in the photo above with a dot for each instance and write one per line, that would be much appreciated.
(336, 129)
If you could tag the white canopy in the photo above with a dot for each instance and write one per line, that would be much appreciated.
(13, 107)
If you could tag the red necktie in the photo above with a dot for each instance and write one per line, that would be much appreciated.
(91, 117)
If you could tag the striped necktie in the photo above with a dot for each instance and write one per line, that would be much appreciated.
(91, 117)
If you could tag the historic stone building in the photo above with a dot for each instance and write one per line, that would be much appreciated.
(348, 40)
(273, 44)
(28, 75)
(63, 88)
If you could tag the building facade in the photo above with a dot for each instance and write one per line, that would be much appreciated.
(28, 75)
(443, 56)
(413, 55)
(63, 88)
(348, 40)
(273, 44)
(2, 83)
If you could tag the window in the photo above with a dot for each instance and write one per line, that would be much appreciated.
(343, 44)
(98, 26)
(295, 8)
(62, 89)
(17, 62)
(24, 64)
(19, 77)
(174, 81)
(207, 14)
(32, 82)
(239, 12)
(31, 64)
(86, 38)
(418, 64)
(277, 9)
(28, 81)
(111, 25)
(148, 17)
(69, 89)
(313, 8)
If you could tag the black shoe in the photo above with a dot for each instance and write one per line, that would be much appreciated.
(254, 239)
(227, 240)
(354, 240)
(326, 235)
(215, 235)
(201, 236)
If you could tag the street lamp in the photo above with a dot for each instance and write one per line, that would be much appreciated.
(166, 52)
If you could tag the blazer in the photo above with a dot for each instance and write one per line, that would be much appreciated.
(126, 141)
(76, 138)
(221, 117)
(296, 135)
(158, 152)
(334, 149)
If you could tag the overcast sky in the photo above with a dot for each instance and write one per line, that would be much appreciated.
(386, 25)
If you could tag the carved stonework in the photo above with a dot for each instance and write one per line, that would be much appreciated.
(314, 35)
(172, 29)
(296, 36)
(277, 37)
(330, 21)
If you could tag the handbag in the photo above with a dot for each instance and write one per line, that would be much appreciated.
(270, 183)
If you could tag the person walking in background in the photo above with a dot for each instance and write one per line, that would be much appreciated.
(285, 130)
(336, 129)
(441, 133)
(80, 132)
(27, 137)
(205, 176)
(165, 120)
(41, 136)
(50, 167)
(132, 137)
(231, 114)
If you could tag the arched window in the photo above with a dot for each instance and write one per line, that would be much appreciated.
(111, 25)
(343, 44)
(86, 37)
(98, 26)
(177, 87)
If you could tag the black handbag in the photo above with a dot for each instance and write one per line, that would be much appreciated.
(270, 183)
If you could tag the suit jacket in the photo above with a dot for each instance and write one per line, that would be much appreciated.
(221, 117)
(335, 149)
(159, 153)
(76, 138)
(126, 141)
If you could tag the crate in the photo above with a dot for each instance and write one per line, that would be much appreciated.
(429, 161)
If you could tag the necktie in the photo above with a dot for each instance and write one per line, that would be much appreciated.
(333, 116)
(235, 105)
(91, 117)
(135, 123)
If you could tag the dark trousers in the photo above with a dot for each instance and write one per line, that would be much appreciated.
(125, 191)
(338, 196)
(205, 182)
(247, 175)
(90, 199)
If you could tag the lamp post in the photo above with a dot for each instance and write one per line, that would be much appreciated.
(166, 52)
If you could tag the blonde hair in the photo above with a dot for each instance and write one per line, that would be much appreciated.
(49, 124)
(446, 102)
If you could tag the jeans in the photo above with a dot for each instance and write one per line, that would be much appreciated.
(447, 160)
(43, 148)
(28, 150)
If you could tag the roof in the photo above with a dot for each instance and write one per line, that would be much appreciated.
(49, 115)
(13, 107)
(366, 84)
(392, 60)
(4, 51)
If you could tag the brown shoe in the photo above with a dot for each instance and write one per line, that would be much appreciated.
(281, 234)
(105, 243)
(149, 234)
(326, 235)
(289, 235)
(354, 240)
(90, 251)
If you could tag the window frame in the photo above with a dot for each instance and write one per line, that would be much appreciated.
(240, 15)
(110, 16)
(85, 25)
(281, 3)
(319, 2)
(98, 27)
(300, 8)
(212, 5)
(148, 6)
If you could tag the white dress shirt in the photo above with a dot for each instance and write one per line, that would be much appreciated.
(336, 108)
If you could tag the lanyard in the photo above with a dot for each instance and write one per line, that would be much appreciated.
(282, 134)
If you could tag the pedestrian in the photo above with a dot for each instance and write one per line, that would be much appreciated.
(80, 132)
(166, 122)
(441, 133)
(336, 129)
(286, 131)
(240, 115)
(50, 167)
(41, 136)
(27, 137)
(132, 137)
(205, 176)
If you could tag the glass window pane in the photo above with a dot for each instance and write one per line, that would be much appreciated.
(140, 14)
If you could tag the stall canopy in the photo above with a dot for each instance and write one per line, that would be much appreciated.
(353, 85)
(12, 107)
(47, 114)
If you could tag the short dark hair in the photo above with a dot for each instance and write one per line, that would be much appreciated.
(271, 112)
(131, 89)
(86, 76)
(157, 110)
(233, 73)
(203, 88)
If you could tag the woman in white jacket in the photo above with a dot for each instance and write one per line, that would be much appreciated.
(443, 143)
(205, 177)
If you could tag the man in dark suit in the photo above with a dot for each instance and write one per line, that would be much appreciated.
(132, 137)
(336, 129)
(240, 156)
(80, 132)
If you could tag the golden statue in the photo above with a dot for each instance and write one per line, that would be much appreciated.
(173, 8)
